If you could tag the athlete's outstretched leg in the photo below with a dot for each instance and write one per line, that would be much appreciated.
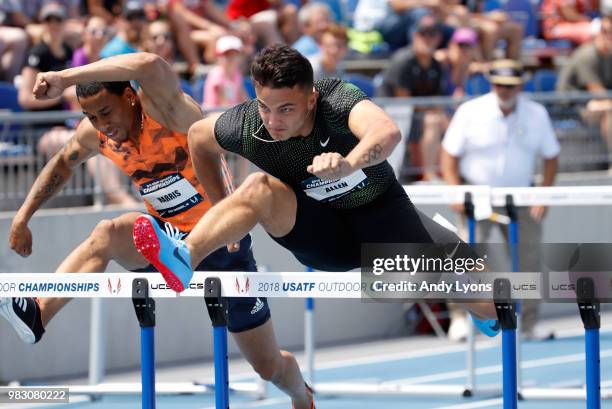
(260, 199)
(110, 240)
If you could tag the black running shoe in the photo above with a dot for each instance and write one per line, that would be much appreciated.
(24, 316)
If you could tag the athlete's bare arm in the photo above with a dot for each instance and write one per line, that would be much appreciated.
(378, 135)
(164, 99)
(83, 145)
(206, 156)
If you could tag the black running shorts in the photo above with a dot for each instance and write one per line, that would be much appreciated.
(330, 239)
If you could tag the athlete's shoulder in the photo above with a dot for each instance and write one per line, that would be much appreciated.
(337, 97)
(229, 126)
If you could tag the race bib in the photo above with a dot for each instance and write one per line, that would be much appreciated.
(170, 195)
(330, 190)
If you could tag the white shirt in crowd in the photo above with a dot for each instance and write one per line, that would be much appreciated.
(500, 151)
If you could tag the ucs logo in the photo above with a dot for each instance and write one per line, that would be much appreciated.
(114, 289)
(164, 286)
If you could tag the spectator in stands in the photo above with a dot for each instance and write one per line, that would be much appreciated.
(106, 9)
(334, 46)
(496, 140)
(13, 44)
(51, 54)
(97, 33)
(396, 19)
(198, 24)
(131, 26)
(313, 19)
(25, 14)
(494, 26)
(460, 60)
(413, 72)
(273, 21)
(571, 20)
(224, 86)
(590, 69)
(159, 40)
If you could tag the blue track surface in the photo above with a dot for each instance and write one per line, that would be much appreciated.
(551, 363)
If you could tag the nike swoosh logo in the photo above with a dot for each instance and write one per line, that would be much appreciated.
(180, 258)
(324, 144)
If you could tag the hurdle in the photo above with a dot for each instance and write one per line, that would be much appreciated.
(476, 200)
(587, 304)
(217, 286)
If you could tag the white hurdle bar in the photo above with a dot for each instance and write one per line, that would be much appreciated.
(483, 198)
(419, 195)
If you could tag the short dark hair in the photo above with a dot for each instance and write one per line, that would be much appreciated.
(281, 66)
(89, 89)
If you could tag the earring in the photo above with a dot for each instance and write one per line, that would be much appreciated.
(133, 103)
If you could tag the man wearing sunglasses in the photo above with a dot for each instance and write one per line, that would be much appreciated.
(496, 140)
(129, 37)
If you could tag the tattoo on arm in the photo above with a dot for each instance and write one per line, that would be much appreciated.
(74, 155)
(373, 154)
(47, 190)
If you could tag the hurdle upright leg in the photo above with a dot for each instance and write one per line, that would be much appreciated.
(589, 313)
(145, 312)
(471, 340)
(217, 310)
(506, 315)
(513, 239)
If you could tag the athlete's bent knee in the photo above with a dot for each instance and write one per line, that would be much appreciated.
(256, 188)
(103, 234)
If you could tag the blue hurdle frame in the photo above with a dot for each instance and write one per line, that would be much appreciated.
(217, 310)
(588, 305)
(506, 315)
(144, 306)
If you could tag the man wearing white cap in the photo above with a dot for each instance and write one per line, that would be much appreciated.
(495, 140)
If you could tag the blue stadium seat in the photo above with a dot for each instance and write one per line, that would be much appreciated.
(477, 84)
(490, 5)
(249, 87)
(545, 80)
(186, 87)
(362, 82)
(523, 11)
(8, 97)
(198, 90)
(529, 86)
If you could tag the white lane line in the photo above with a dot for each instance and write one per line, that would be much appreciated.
(486, 370)
(473, 405)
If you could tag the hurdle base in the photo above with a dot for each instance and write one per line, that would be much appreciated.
(162, 388)
(560, 393)
(389, 389)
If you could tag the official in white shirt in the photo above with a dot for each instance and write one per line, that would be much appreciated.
(497, 140)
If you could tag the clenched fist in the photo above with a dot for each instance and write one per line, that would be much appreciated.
(330, 166)
(48, 85)
(20, 238)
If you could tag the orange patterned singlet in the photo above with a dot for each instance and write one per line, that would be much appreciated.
(161, 168)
